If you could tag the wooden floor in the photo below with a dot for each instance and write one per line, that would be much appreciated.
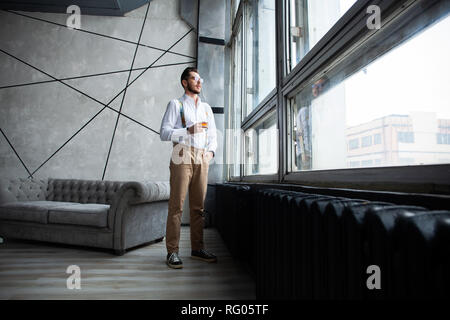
(36, 270)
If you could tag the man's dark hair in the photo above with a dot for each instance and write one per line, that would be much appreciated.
(186, 73)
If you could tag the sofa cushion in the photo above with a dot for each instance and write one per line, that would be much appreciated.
(87, 214)
(22, 189)
(32, 211)
(82, 191)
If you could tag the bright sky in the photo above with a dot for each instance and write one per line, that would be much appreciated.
(412, 77)
(345, 5)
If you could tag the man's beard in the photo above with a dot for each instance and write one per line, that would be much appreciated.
(193, 89)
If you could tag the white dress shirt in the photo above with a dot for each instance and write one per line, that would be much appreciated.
(172, 128)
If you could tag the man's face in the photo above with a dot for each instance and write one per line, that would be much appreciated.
(194, 83)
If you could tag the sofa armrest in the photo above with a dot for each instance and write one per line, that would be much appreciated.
(130, 196)
(144, 192)
(151, 191)
(134, 193)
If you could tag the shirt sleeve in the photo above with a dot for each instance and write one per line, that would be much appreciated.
(168, 130)
(212, 134)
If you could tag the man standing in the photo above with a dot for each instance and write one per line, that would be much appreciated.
(189, 124)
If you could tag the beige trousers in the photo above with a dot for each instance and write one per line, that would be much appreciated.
(188, 171)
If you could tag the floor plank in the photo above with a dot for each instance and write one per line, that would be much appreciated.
(36, 270)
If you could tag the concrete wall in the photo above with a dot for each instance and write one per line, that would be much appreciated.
(211, 66)
(39, 119)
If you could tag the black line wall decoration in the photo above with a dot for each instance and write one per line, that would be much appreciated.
(15, 152)
(94, 75)
(125, 92)
(63, 80)
(96, 33)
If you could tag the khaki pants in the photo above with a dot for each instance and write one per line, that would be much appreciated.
(188, 170)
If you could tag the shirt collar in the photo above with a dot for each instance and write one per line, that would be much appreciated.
(191, 100)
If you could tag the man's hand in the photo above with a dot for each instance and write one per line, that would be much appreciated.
(208, 156)
(196, 128)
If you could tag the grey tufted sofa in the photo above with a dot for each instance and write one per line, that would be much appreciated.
(106, 214)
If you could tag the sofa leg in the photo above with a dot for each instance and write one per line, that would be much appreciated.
(119, 252)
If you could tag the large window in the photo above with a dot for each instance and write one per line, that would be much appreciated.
(340, 93)
(400, 98)
(253, 75)
(309, 20)
(260, 66)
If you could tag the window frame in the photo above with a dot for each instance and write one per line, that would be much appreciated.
(338, 43)
(263, 108)
(236, 29)
(408, 178)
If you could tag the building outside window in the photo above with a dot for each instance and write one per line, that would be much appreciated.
(366, 141)
(443, 138)
(405, 137)
(366, 163)
(377, 138)
(353, 144)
